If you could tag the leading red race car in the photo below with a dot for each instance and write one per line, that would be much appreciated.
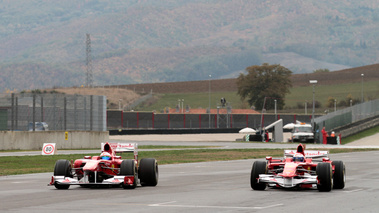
(298, 169)
(107, 169)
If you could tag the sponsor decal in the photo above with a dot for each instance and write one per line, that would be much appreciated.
(307, 153)
(122, 147)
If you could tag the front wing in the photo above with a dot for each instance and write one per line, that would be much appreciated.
(287, 182)
(116, 180)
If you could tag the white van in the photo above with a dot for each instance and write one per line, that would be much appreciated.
(302, 133)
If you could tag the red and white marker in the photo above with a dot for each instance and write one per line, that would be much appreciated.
(48, 149)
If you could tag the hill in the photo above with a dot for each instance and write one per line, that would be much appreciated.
(352, 75)
(42, 42)
(199, 89)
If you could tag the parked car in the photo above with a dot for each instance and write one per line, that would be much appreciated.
(39, 126)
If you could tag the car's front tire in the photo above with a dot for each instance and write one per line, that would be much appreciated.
(339, 176)
(259, 167)
(148, 172)
(62, 168)
(128, 168)
(324, 175)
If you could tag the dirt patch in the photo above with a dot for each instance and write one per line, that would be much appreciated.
(115, 96)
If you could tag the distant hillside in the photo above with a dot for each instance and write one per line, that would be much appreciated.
(352, 75)
(42, 42)
(132, 92)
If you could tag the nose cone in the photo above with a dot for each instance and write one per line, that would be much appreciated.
(289, 170)
(90, 165)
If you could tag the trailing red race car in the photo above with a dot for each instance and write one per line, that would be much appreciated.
(107, 169)
(298, 169)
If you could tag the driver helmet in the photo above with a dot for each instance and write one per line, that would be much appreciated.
(298, 157)
(105, 156)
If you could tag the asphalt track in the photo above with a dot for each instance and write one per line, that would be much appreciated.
(199, 187)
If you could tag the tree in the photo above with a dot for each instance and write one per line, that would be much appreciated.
(330, 102)
(265, 81)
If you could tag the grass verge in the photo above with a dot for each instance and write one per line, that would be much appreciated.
(139, 147)
(37, 164)
(360, 135)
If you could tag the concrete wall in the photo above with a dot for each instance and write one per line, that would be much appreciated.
(24, 140)
(117, 119)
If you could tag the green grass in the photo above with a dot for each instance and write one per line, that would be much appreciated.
(172, 147)
(360, 135)
(194, 100)
(338, 91)
(297, 95)
(42, 163)
(139, 147)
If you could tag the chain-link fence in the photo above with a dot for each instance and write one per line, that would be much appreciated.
(38, 112)
(346, 116)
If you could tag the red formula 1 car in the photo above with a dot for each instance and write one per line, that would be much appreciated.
(107, 169)
(299, 169)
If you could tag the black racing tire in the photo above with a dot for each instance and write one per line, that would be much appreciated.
(148, 172)
(259, 167)
(324, 175)
(128, 168)
(339, 176)
(62, 168)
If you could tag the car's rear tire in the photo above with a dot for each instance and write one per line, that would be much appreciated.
(62, 168)
(128, 168)
(259, 167)
(324, 175)
(339, 176)
(148, 172)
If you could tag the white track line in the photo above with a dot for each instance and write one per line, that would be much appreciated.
(167, 204)
(356, 190)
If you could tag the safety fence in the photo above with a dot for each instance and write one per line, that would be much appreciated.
(148, 120)
(346, 116)
(38, 112)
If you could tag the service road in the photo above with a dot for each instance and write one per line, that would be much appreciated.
(199, 187)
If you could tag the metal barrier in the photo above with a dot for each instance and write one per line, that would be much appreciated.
(35, 112)
(345, 117)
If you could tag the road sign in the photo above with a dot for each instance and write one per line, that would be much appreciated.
(48, 149)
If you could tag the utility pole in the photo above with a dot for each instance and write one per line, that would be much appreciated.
(89, 75)
(313, 82)
(362, 75)
(209, 114)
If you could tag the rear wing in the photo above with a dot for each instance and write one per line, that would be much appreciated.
(308, 153)
(123, 147)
